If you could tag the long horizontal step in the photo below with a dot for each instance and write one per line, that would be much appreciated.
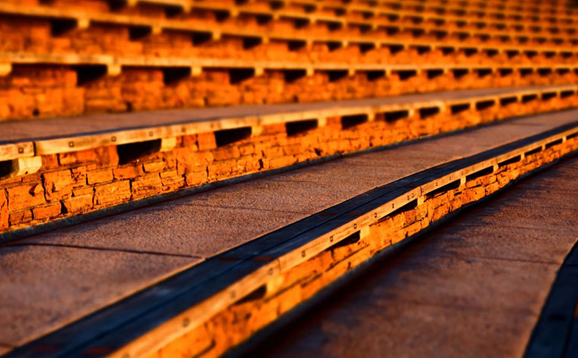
(115, 64)
(158, 320)
(368, 11)
(498, 261)
(173, 236)
(52, 182)
(235, 11)
(83, 19)
(534, 11)
(62, 135)
(484, 14)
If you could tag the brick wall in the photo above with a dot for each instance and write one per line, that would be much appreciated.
(35, 36)
(79, 182)
(33, 91)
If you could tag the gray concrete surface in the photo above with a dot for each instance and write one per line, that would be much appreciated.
(472, 288)
(13, 131)
(45, 287)
(205, 224)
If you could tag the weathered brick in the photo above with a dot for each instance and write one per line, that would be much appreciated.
(78, 204)
(20, 217)
(58, 184)
(107, 156)
(196, 178)
(247, 149)
(112, 193)
(128, 172)
(79, 175)
(99, 176)
(188, 161)
(83, 156)
(87, 190)
(147, 185)
(282, 162)
(152, 167)
(272, 152)
(50, 162)
(172, 180)
(222, 169)
(206, 141)
(226, 153)
(47, 212)
(25, 196)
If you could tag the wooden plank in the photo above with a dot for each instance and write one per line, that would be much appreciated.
(117, 137)
(16, 150)
(115, 63)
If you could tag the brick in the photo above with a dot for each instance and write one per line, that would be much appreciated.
(273, 152)
(225, 153)
(147, 185)
(84, 156)
(152, 167)
(47, 212)
(99, 176)
(58, 184)
(20, 217)
(128, 172)
(107, 156)
(25, 196)
(222, 169)
(196, 178)
(188, 161)
(50, 162)
(78, 204)
(281, 162)
(247, 149)
(87, 190)
(206, 141)
(79, 175)
(113, 193)
(171, 180)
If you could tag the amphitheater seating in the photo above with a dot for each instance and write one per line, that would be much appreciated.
(107, 106)
(62, 58)
(92, 56)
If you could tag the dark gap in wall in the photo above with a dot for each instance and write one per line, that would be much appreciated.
(295, 128)
(228, 136)
(133, 151)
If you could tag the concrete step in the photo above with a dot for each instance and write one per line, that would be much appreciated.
(97, 264)
(473, 287)
(63, 167)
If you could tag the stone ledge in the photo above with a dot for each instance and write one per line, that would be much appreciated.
(103, 175)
